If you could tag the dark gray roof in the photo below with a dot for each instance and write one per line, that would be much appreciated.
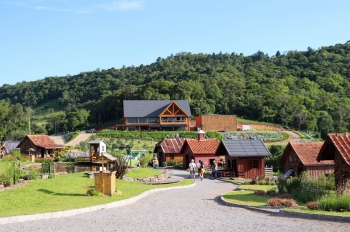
(151, 108)
(246, 148)
(10, 146)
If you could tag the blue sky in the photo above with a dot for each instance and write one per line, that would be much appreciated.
(41, 38)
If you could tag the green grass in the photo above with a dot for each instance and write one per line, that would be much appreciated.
(65, 192)
(258, 187)
(246, 197)
(344, 214)
(4, 166)
(143, 172)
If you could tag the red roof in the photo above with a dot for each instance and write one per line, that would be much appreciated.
(207, 146)
(308, 152)
(172, 146)
(342, 143)
(43, 141)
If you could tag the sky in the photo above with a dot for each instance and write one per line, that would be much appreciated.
(48, 38)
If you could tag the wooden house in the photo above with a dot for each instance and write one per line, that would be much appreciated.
(301, 157)
(10, 146)
(144, 115)
(200, 149)
(337, 148)
(217, 122)
(169, 150)
(97, 148)
(40, 145)
(245, 158)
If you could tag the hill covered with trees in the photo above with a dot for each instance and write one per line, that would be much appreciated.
(307, 90)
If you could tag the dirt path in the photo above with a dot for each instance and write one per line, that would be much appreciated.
(60, 140)
(293, 137)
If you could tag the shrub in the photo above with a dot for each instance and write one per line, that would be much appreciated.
(92, 192)
(313, 205)
(145, 160)
(120, 166)
(285, 196)
(260, 193)
(48, 165)
(335, 203)
(8, 158)
(33, 174)
(277, 202)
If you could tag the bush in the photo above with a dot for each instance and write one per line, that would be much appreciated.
(335, 203)
(48, 165)
(260, 193)
(145, 160)
(313, 205)
(92, 192)
(34, 174)
(278, 202)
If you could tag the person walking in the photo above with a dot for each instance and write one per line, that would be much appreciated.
(192, 167)
(201, 169)
(214, 169)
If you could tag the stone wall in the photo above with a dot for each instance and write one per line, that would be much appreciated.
(160, 177)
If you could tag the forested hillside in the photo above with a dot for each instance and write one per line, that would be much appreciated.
(307, 90)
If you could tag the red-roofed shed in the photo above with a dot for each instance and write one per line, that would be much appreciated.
(302, 157)
(169, 150)
(42, 144)
(200, 149)
(336, 148)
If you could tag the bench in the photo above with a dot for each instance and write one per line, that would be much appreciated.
(226, 174)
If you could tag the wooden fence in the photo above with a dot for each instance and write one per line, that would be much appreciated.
(268, 171)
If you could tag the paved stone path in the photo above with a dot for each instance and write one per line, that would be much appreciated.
(190, 209)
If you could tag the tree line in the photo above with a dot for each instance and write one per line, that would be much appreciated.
(305, 90)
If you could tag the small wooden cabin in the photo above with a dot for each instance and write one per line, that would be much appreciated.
(169, 150)
(246, 158)
(200, 149)
(96, 149)
(337, 148)
(301, 157)
(42, 146)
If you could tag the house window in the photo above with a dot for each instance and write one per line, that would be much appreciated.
(142, 120)
(152, 120)
(132, 120)
(255, 163)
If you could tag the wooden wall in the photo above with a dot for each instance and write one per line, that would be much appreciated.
(244, 167)
(177, 157)
(341, 174)
(315, 171)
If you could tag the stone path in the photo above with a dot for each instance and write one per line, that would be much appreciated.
(190, 209)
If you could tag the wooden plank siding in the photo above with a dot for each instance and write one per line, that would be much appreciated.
(245, 168)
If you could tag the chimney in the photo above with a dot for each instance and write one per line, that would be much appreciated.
(201, 136)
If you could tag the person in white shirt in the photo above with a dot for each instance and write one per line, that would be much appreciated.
(192, 167)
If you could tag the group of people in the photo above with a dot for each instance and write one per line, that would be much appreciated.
(201, 170)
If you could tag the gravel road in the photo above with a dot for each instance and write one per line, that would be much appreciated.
(190, 209)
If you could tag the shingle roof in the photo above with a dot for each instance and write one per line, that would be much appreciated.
(10, 145)
(171, 146)
(151, 108)
(308, 152)
(246, 148)
(42, 141)
(342, 143)
(207, 146)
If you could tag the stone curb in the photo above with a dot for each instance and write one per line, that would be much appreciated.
(285, 213)
(72, 212)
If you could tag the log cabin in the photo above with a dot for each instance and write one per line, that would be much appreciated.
(244, 158)
(41, 146)
(169, 150)
(301, 157)
(337, 148)
(146, 115)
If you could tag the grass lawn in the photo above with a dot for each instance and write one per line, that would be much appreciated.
(65, 192)
(143, 172)
(344, 214)
(246, 197)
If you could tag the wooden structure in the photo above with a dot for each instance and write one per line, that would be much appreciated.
(217, 122)
(337, 148)
(42, 145)
(10, 146)
(145, 115)
(30, 156)
(244, 158)
(105, 179)
(200, 149)
(301, 157)
(169, 150)
(96, 148)
(2, 151)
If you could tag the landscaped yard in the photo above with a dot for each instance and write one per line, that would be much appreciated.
(65, 192)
